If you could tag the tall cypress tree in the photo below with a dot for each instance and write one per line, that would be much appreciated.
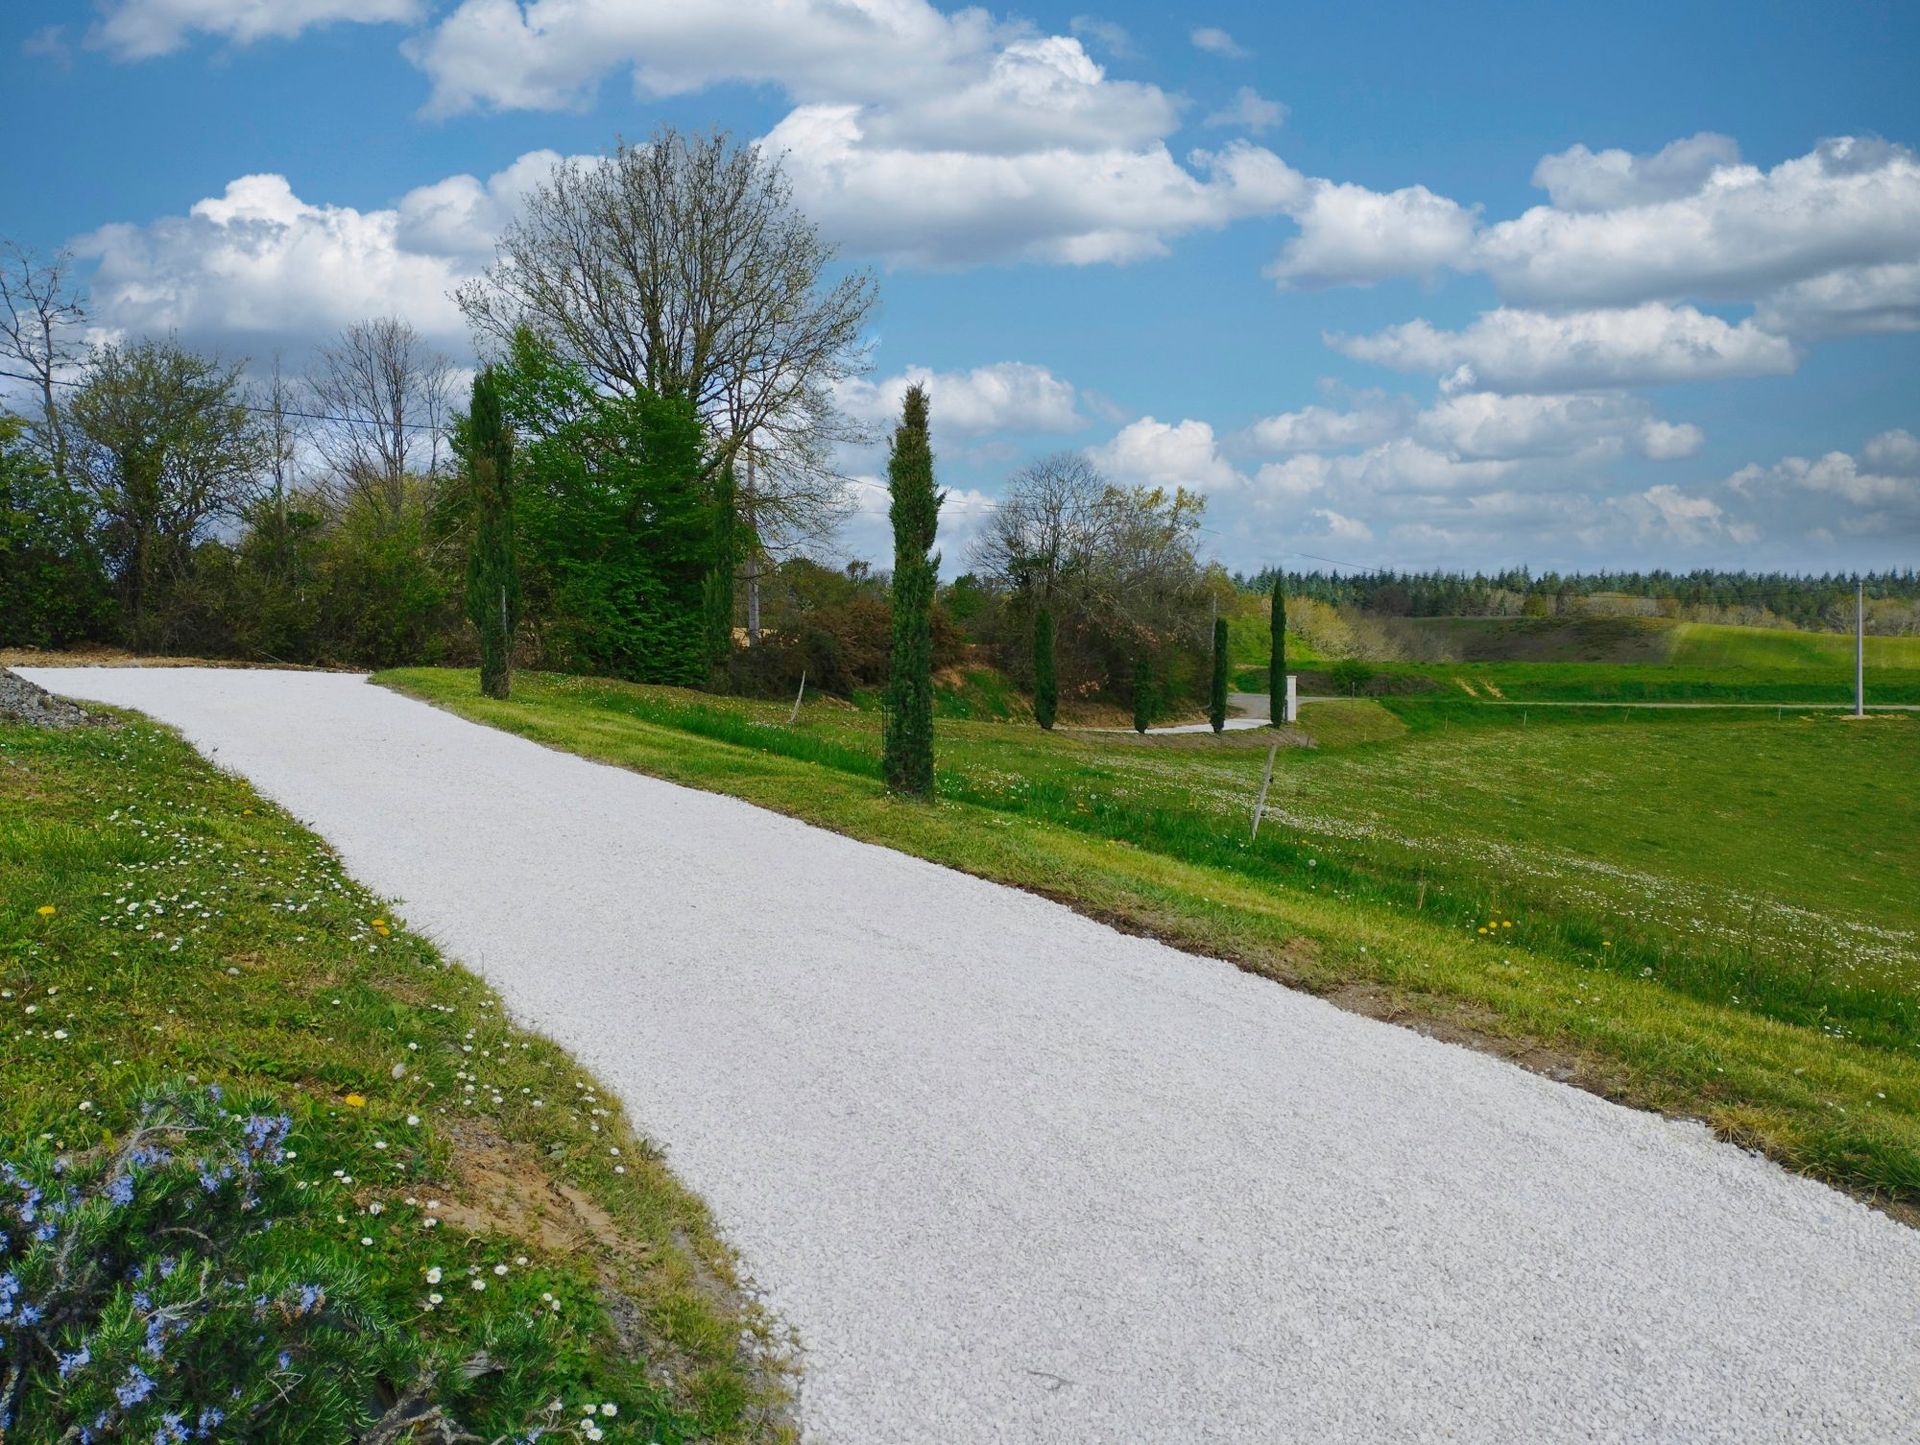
(1046, 686)
(1142, 693)
(493, 572)
(906, 760)
(1277, 666)
(1217, 702)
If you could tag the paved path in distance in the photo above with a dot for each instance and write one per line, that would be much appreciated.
(1017, 1177)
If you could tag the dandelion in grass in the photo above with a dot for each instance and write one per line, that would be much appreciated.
(356, 1101)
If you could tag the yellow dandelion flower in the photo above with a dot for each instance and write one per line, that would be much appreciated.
(246, 812)
(1482, 930)
(1606, 943)
(356, 1101)
(1506, 923)
(46, 910)
(379, 923)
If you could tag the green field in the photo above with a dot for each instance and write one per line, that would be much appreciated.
(1618, 659)
(457, 1188)
(1702, 912)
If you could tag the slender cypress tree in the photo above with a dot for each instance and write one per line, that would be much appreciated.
(1046, 686)
(493, 571)
(906, 760)
(1277, 667)
(1217, 702)
(1142, 693)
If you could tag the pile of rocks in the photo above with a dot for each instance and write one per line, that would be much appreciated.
(21, 701)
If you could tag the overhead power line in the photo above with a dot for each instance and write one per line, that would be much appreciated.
(311, 415)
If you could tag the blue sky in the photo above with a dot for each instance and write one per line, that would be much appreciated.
(1417, 285)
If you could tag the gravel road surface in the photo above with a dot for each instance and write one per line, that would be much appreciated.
(1017, 1177)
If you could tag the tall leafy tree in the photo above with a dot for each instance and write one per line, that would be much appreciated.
(907, 755)
(1277, 665)
(1046, 685)
(53, 589)
(1217, 697)
(683, 267)
(493, 573)
(163, 445)
(617, 531)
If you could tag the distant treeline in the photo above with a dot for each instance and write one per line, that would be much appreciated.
(1759, 598)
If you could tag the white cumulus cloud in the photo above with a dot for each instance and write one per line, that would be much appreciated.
(1249, 111)
(1579, 179)
(258, 266)
(1351, 236)
(1006, 396)
(1742, 233)
(1515, 350)
(958, 207)
(1154, 453)
(141, 29)
(1215, 41)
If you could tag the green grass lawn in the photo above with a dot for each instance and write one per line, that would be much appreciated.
(1701, 913)
(161, 924)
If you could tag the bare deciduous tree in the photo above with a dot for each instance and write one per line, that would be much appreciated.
(1115, 565)
(683, 267)
(40, 342)
(385, 393)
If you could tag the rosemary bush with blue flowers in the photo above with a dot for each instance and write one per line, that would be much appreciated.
(162, 1289)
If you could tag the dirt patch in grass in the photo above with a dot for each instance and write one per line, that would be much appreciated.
(500, 1189)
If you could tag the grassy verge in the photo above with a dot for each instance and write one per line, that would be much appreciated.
(1666, 954)
(161, 924)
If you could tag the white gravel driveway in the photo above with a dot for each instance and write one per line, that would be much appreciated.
(1018, 1177)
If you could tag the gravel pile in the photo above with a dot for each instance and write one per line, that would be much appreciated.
(1017, 1177)
(22, 701)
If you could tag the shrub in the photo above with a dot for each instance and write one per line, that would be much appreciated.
(1349, 675)
(148, 1292)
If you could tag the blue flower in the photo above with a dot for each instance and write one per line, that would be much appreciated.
(74, 1361)
(136, 1388)
(120, 1192)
